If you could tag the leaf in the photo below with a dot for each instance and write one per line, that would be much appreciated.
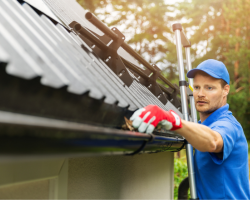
(128, 125)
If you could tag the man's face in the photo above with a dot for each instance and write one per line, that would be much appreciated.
(208, 93)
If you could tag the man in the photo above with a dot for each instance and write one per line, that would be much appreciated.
(221, 155)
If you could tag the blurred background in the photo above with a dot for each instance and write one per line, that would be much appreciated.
(217, 29)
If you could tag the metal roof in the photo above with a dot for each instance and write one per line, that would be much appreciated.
(49, 71)
(49, 51)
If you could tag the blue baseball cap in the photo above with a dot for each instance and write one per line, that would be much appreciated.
(213, 68)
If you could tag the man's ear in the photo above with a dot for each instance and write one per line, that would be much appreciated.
(226, 90)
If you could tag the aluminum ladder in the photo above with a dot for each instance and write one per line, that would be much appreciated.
(181, 40)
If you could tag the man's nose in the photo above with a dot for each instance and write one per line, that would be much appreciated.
(201, 93)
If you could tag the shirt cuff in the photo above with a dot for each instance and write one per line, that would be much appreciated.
(215, 159)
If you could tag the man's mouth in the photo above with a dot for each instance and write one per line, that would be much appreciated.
(202, 102)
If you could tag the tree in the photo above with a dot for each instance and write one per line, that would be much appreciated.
(238, 58)
(221, 31)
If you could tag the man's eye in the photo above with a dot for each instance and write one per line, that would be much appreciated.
(210, 88)
(196, 87)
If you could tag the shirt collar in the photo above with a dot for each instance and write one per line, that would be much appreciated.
(215, 115)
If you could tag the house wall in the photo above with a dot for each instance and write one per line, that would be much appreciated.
(30, 190)
(145, 176)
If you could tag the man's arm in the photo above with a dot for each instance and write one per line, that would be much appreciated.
(201, 137)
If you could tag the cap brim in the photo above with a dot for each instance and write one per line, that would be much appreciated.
(192, 72)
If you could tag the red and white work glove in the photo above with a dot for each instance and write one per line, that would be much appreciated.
(146, 119)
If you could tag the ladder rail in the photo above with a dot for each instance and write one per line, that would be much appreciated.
(177, 28)
(190, 81)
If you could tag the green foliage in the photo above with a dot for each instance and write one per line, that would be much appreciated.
(180, 173)
(240, 107)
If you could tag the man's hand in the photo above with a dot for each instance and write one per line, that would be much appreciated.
(146, 119)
